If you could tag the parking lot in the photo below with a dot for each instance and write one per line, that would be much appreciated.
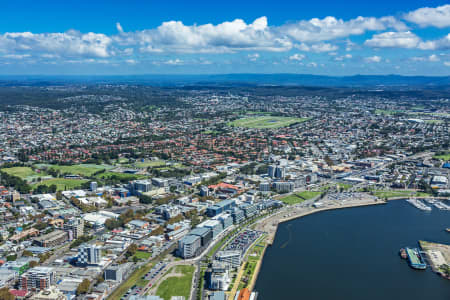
(243, 240)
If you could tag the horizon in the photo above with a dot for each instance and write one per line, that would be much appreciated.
(108, 38)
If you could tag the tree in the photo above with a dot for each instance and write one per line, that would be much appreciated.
(33, 264)
(5, 294)
(27, 253)
(83, 287)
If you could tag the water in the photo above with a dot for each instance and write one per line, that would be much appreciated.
(353, 254)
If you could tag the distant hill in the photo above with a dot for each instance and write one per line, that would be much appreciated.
(375, 81)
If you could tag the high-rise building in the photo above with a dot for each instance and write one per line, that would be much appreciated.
(36, 279)
(271, 171)
(94, 186)
(280, 172)
(76, 226)
(89, 254)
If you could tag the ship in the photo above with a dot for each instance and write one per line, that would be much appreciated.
(415, 259)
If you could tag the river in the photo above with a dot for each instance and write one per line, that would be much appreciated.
(352, 254)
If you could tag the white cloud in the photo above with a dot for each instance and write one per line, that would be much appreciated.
(70, 43)
(17, 56)
(441, 44)
(253, 57)
(394, 40)
(173, 62)
(174, 36)
(119, 27)
(431, 58)
(330, 28)
(318, 48)
(406, 40)
(429, 16)
(341, 58)
(297, 57)
(131, 61)
(312, 64)
(373, 59)
(447, 63)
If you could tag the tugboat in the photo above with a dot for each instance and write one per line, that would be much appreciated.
(403, 253)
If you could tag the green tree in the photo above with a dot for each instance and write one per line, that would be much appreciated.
(83, 287)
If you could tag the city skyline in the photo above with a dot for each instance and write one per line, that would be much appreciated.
(405, 38)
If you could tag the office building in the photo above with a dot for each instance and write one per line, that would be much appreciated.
(205, 234)
(36, 279)
(220, 207)
(232, 257)
(51, 239)
(284, 187)
(225, 218)
(189, 245)
(117, 272)
(89, 254)
(75, 226)
(264, 187)
(214, 225)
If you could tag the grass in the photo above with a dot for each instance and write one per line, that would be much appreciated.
(62, 184)
(266, 122)
(177, 286)
(151, 163)
(120, 176)
(132, 280)
(142, 255)
(82, 169)
(21, 172)
(443, 156)
(399, 193)
(299, 197)
(434, 121)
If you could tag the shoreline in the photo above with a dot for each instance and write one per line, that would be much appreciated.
(271, 235)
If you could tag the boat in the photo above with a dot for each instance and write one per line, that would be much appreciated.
(403, 254)
(418, 204)
(415, 259)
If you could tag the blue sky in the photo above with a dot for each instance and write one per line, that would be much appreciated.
(191, 37)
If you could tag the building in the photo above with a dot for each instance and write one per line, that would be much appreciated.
(237, 215)
(219, 277)
(284, 187)
(218, 295)
(225, 218)
(220, 207)
(264, 187)
(232, 257)
(189, 245)
(49, 294)
(142, 186)
(280, 172)
(160, 182)
(93, 186)
(250, 210)
(116, 272)
(74, 227)
(51, 239)
(89, 254)
(37, 279)
(271, 171)
(214, 225)
(205, 234)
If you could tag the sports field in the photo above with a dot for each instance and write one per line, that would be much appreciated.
(62, 184)
(22, 172)
(178, 285)
(82, 169)
(266, 122)
(445, 157)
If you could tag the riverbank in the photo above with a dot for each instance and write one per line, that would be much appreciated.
(291, 263)
(270, 225)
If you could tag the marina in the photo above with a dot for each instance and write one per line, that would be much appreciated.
(418, 204)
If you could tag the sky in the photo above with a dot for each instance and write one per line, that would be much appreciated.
(325, 37)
